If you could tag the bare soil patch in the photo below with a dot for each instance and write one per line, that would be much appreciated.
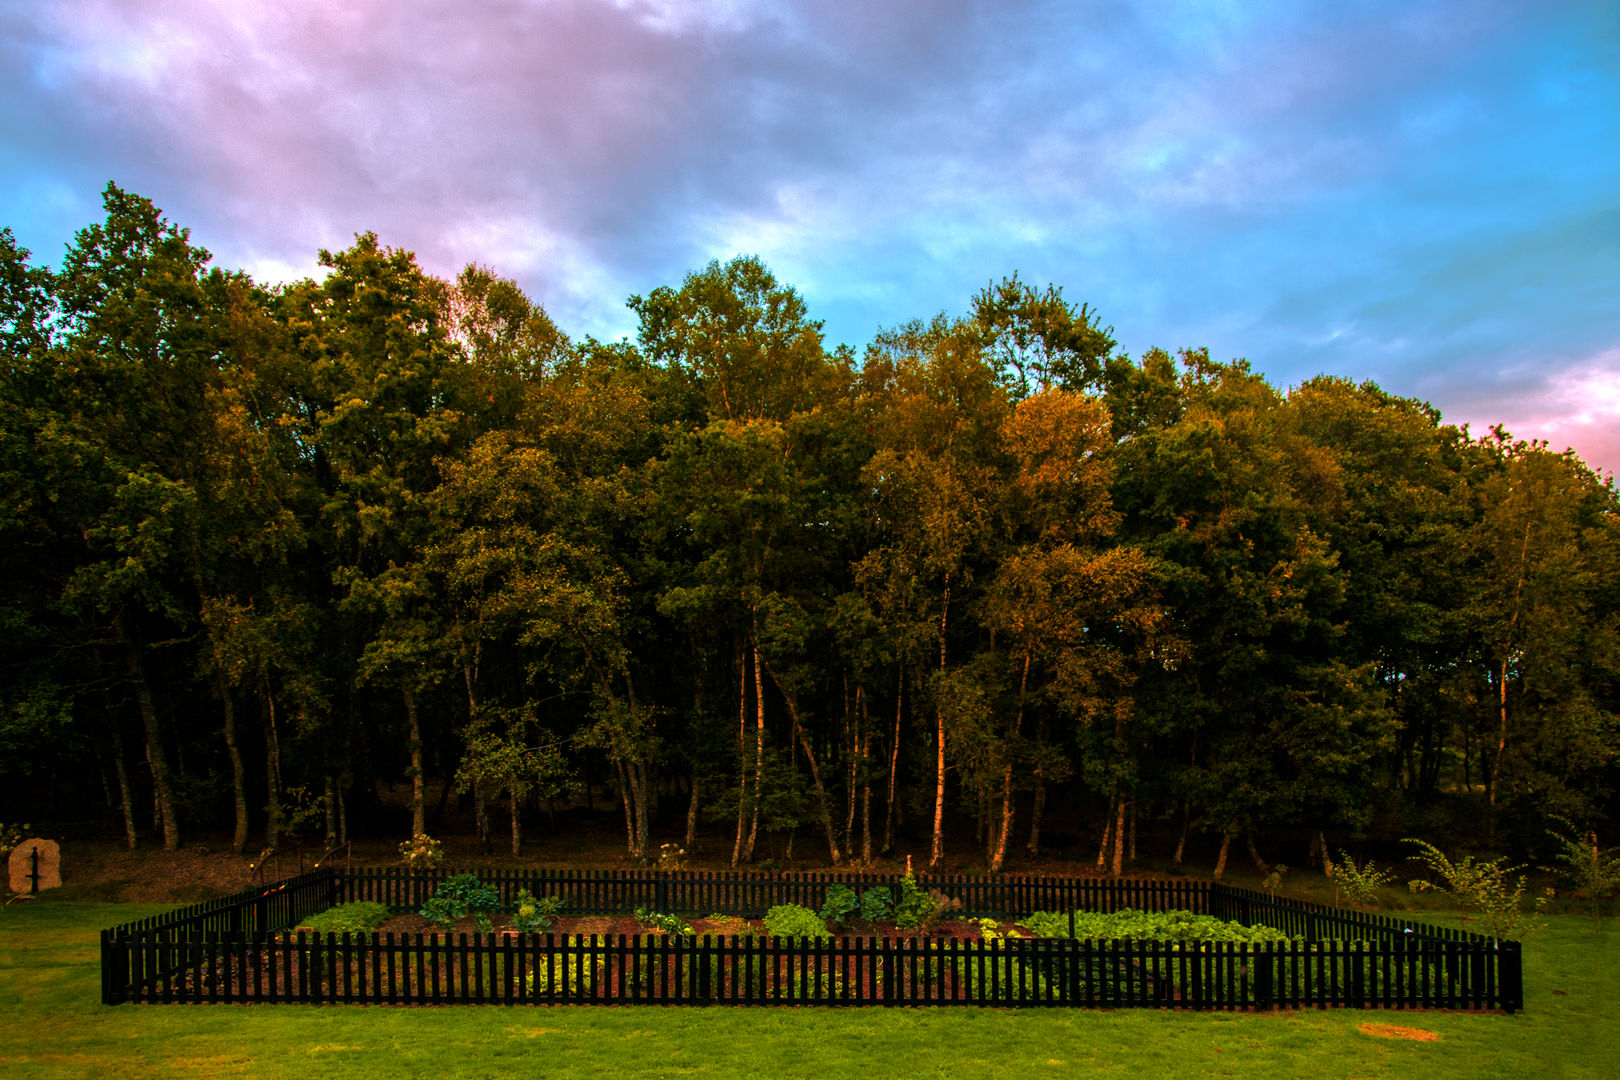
(1391, 1031)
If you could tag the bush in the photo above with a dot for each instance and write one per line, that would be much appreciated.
(1128, 924)
(920, 910)
(1359, 882)
(840, 903)
(459, 897)
(11, 836)
(531, 916)
(359, 917)
(1594, 873)
(421, 852)
(794, 921)
(1479, 886)
(876, 904)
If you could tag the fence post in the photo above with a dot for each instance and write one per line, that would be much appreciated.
(661, 891)
(1510, 975)
(1263, 967)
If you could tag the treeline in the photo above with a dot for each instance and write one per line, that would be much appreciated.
(268, 550)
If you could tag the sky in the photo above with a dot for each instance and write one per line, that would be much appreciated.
(1424, 193)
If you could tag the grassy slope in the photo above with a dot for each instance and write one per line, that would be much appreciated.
(54, 1027)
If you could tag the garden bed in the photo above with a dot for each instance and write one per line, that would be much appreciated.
(248, 948)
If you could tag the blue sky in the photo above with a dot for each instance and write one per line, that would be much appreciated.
(1426, 194)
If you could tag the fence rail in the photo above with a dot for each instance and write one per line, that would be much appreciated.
(240, 949)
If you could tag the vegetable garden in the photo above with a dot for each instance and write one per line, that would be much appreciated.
(1035, 941)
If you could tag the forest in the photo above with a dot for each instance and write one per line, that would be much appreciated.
(270, 554)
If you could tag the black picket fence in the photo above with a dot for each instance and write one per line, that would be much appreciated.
(239, 949)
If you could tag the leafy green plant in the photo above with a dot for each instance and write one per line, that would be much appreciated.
(1129, 924)
(1482, 887)
(358, 917)
(1594, 873)
(421, 852)
(919, 909)
(671, 857)
(840, 904)
(569, 974)
(794, 921)
(991, 930)
(11, 836)
(532, 916)
(1272, 882)
(1359, 882)
(460, 896)
(877, 904)
(663, 923)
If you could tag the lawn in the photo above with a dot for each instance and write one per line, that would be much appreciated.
(53, 1026)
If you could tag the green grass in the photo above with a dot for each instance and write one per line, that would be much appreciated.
(53, 1026)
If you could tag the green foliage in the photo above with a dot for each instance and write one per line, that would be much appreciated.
(1273, 881)
(459, 897)
(532, 916)
(11, 836)
(921, 909)
(877, 904)
(357, 917)
(421, 852)
(839, 904)
(663, 923)
(1593, 872)
(1128, 924)
(794, 921)
(991, 930)
(1485, 888)
(569, 975)
(1359, 882)
(671, 857)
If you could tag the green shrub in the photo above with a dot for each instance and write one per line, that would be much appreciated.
(1359, 882)
(532, 916)
(421, 852)
(1480, 886)
(459, 897)
(359, 917)
(919, 909)
(662, 923)
(841, 902)
(1128, 924)
(877, 904)
(794, 921)
(570, 974)
(1593, 872)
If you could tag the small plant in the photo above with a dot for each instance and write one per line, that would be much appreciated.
(1594, 873)
(794, 921)
(876, 905)
(919, 909)
(459, 897)
(421, 852)
(662, 923)
(1483, 887)
(671, 857)
(1359, 882)
(840, 904)
(991, 930)
(532, 916)
(11, 836)
(1273, 880)
(359, 917)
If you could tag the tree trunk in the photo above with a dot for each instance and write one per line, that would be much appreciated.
(866, 778)
(1220, 862)
(822, 802)
(692, 815)
(1119, 837)
(742, 756)
(162, 795)
(330, 802)
(759, 758)
(1254, 853)
(936, 850)
(1186, 823)
(1107, 837)
(1004, 830)
(131, 833)
(517, 819)
(1040, 788)
(239, 835)
(894, 761)
(272, 767)
(417, 772)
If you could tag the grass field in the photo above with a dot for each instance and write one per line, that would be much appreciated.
(53, 1026)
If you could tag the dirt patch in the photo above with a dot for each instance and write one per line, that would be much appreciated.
(612, 926)
(1390, 1031)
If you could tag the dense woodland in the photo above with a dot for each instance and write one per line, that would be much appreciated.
(270, 553)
